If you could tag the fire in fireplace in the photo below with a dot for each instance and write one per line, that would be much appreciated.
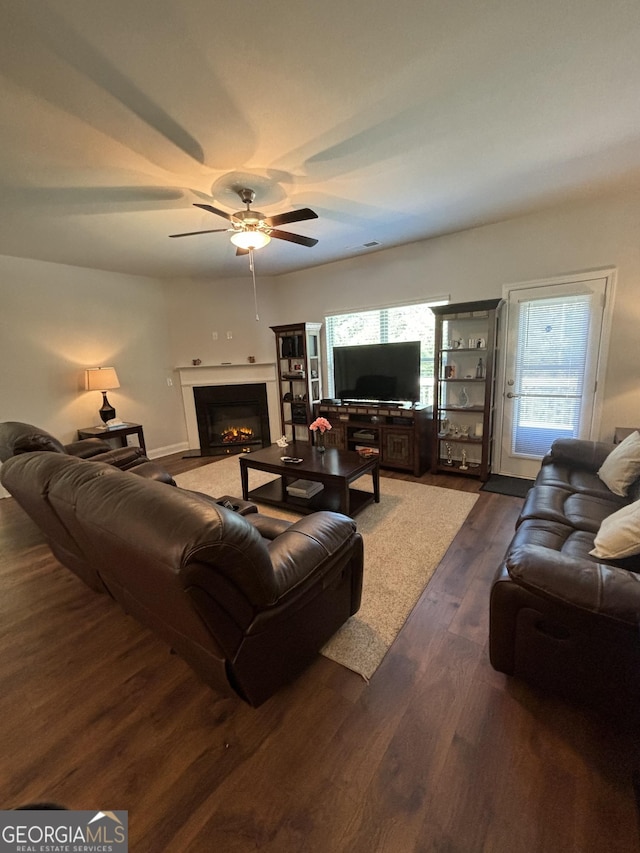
(233, 435)
(232, 418)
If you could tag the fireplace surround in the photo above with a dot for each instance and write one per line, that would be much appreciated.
(217, 375)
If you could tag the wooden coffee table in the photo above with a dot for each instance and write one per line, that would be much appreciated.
(335, 469)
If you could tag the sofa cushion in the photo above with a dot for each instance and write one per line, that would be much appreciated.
(563, 475)
(555, 536)
(619, 534)
(577, 510)
(17, 437)
(622, 465)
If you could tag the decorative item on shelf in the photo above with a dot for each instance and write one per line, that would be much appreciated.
(463, 464)
(444, 427)
(251, 359)
(481, 343)
(465, 431)
(449, 459)
(319, 427)
(299, 413)
(479, 429)
(196, 361)
(480, 370)
(282, 441)
(103, 379)
(463, 398)
(450, 371)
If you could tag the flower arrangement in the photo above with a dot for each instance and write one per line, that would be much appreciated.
(321, 424)
(319, 427)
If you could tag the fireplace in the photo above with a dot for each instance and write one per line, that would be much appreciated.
(232, 418)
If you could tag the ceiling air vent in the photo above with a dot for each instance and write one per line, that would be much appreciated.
(370, 245)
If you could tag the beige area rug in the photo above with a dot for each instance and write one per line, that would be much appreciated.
(405, 537)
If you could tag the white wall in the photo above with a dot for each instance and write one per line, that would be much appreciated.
(198, 307)
(55, 320)
(474, 264)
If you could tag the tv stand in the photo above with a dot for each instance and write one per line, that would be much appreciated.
(399, 433)
(384, 404)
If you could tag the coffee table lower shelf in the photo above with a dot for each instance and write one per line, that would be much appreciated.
(275, 494)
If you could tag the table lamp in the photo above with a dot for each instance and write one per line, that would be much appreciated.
(103, 379)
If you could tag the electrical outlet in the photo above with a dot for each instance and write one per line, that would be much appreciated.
(229, 336)
(169, 382)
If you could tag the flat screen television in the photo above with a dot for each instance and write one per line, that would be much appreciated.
(378, 372)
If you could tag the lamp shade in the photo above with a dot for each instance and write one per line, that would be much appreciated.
(250, 239)
(101, 378)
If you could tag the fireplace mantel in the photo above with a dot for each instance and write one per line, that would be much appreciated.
(223, 365)
(227, 374)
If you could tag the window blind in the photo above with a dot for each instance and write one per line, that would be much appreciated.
(549, 372)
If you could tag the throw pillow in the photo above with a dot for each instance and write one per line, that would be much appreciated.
(622, 465)
(619, 534)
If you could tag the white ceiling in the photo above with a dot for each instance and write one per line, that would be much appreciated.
(395, 121)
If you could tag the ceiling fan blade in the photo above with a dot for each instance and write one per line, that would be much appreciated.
(293, 238)
(292, 216)
(192, 233)
(215, 210)
(240, 251)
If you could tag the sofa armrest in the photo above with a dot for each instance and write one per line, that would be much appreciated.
(579, 453)
(124, 457)
(594, 587)
(299, 551)
(121, 457)
(87, 448)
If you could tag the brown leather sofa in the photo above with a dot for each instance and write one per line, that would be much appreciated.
(561, 618)
(17, 437)
(247, 601)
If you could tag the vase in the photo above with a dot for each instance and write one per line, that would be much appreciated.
(320, 442)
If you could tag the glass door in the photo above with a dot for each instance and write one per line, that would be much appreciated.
(552, 353)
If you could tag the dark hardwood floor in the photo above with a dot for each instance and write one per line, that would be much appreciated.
(437, 753)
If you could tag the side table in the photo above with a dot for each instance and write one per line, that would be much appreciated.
(119, 432)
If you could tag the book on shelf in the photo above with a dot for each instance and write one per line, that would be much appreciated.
(304, 488)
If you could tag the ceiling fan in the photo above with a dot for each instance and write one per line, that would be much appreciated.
(251, 229)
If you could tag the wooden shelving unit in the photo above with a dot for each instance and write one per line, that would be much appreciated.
(463, 406)
(299, 366)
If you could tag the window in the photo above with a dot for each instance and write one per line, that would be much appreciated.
(551, 359)
(387, 325)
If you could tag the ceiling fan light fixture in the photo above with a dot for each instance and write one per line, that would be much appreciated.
(250, 239)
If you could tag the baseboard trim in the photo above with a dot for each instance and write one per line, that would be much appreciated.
(168, 450)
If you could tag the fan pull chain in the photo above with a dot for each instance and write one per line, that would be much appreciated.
(255, 292)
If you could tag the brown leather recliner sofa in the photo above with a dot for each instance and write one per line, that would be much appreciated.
(561, 618)
(246, 601)
(17, 437)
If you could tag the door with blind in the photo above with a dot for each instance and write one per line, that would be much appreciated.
(552, 352)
